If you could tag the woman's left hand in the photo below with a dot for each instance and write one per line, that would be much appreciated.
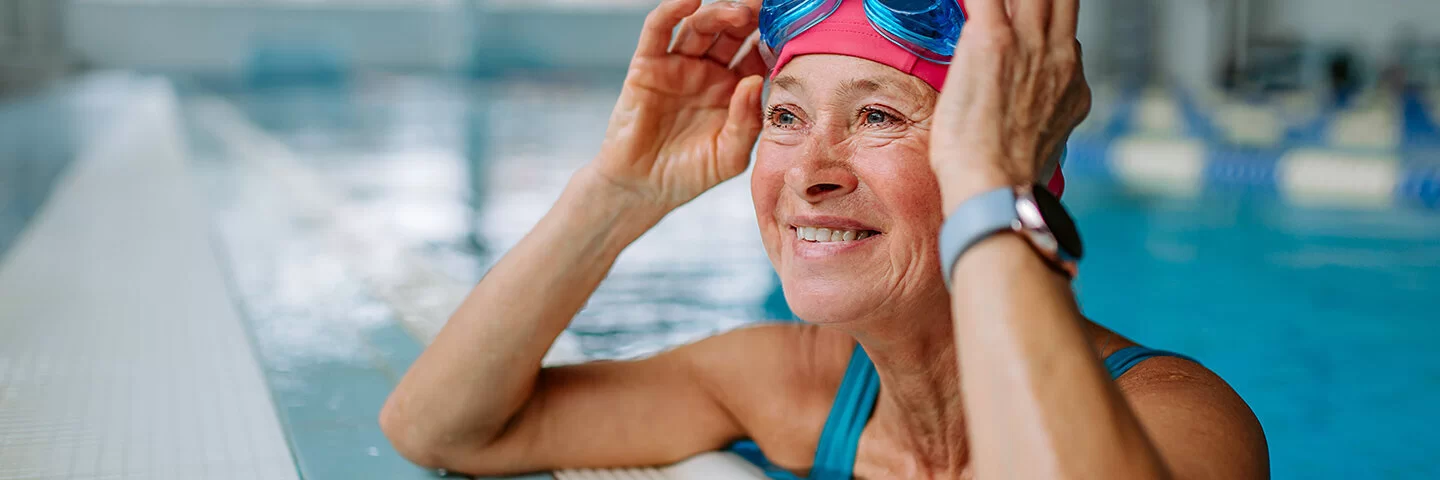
(1015, 91)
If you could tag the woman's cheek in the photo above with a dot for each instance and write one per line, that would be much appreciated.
(903, 181)
(768, 177)
(767, 181)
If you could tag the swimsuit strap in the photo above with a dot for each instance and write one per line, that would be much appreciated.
(840, 439)
(835, 455)
(1126, 358)
(855, 402)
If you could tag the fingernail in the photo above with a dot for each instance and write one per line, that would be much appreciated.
(736, 5)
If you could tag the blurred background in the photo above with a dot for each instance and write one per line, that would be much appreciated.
(228, 226)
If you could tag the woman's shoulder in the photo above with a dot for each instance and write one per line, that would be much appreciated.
(778, 381)
(1146, 368)
(1178, 400)
(766, 357)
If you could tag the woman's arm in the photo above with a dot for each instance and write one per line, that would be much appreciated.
(476, 400)
(1039, 403)
(483, 365)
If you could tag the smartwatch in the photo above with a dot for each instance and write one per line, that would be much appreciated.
(1031, 211)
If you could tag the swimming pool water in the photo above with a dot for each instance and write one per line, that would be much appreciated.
(1323, 320)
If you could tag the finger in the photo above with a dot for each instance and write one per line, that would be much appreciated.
(733, 39)
(742, 127)
(753, 4)
(986, 12)
(724, 49)
(699, 32)
(1079, 52)
(749, 61)
(1083, 83)
(688, 41)
(1064, 21)
(1031, 19)
(660, 26)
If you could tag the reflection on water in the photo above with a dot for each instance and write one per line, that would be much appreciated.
(389, 179)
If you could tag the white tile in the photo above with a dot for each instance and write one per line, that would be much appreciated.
(112, 382)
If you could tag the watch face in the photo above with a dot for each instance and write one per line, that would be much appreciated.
(1060, 223)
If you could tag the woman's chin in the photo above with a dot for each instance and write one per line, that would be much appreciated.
(824, 302)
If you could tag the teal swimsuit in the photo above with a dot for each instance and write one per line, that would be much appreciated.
(835, 456)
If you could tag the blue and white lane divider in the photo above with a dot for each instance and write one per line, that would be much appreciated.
(1378, 121)
(1309, 176)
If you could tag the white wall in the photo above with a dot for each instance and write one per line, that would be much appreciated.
(171, 35)
(1371, 24)
(32, 48)
(1192, 41)
(225, 36)
(1191, 34)
(1091, 35)
(35, 24)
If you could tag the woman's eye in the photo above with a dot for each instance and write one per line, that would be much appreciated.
(873, 116)
(781, 117)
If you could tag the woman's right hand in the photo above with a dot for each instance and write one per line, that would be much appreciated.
(685, 120)
(684, 123)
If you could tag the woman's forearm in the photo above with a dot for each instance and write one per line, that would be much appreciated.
(481, 368)
(1039, 403)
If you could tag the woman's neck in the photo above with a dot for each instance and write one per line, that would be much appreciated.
(919, 408)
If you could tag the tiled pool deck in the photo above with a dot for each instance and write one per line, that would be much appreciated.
(122, 354)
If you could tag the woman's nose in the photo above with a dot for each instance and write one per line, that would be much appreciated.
(816, 180)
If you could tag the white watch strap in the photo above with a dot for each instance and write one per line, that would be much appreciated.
(974, 220)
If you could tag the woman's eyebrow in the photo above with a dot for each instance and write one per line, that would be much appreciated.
(789, 83)
(859, 87)
(852, 88)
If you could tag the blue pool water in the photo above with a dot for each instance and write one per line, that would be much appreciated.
(1322, 319)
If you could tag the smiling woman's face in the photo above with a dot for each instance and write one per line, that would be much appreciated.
(843, 162)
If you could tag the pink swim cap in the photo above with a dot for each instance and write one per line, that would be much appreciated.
(849, 32)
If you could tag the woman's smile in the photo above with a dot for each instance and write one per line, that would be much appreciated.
(819, 237)
(850, 242)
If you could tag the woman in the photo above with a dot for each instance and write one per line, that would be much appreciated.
(859, 160)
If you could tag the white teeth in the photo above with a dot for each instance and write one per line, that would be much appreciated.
(825, 235)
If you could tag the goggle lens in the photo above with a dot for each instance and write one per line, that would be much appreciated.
(927, 28)
(782, 20)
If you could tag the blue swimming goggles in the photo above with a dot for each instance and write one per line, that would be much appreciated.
(926, 28)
